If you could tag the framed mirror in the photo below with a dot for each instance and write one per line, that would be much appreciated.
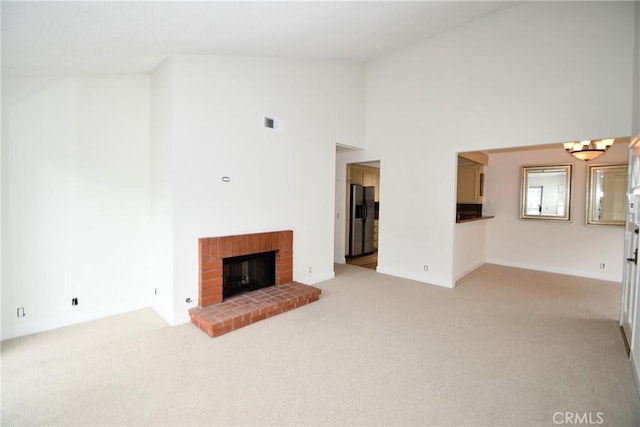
(546, 192)
(607, 194)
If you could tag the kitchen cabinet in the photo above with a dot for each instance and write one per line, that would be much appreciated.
(375, 234)
(365, 176)
(470, 176)
(355, 175)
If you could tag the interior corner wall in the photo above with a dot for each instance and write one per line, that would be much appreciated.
(556, 246)
(470, 247)
(160, 290)
(278, 179)
(509, 79)
(339, 229)
(75, 199)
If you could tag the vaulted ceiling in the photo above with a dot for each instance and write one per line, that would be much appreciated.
(85, 37)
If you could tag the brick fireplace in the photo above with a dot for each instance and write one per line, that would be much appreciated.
(213, 250)
(216, 316)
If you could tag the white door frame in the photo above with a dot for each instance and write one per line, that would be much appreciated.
(631, 271)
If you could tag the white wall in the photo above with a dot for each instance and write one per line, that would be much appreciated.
(77, 163)
(339, 213)
(75, 199)
(562, 247)
(111, 180)
(528, 75)
(470, 247)
(279, 179)
(161, 278)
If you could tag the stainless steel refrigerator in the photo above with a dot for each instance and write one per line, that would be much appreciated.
(362, 216)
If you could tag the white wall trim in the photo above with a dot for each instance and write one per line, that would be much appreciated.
(557, 270)
(416, 277)
(317, 278)
(26, 326)
(636, 374)
(468, 270)
(181, 318)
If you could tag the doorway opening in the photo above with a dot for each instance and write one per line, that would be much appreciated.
(362, 214)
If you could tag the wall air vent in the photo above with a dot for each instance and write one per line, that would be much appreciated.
(269, 123)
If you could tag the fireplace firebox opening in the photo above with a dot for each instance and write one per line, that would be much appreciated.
(248, 273)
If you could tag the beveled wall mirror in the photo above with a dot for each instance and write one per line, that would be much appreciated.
(546, 193)
(607, 194)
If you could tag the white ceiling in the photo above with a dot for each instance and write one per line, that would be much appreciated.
(87, 37)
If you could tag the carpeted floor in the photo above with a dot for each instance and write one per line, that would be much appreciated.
(505, 347)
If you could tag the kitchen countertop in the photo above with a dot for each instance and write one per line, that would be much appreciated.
(478, 218)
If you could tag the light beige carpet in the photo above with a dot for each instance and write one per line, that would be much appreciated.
(505, 347)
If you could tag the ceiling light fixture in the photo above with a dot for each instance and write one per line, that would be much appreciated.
(588, 150)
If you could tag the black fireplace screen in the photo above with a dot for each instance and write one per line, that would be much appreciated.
(248, 273)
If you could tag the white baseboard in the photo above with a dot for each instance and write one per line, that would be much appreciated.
(636, 374)
(557, 270)
(27, 326)
(181, 318)
(416, 277)
(467, 271)
(312, 279)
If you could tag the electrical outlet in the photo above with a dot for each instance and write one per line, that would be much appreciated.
(74, 301)
(426, 267)
(21, 312)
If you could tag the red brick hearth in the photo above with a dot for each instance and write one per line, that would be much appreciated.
(217, 317)
(242, 310)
